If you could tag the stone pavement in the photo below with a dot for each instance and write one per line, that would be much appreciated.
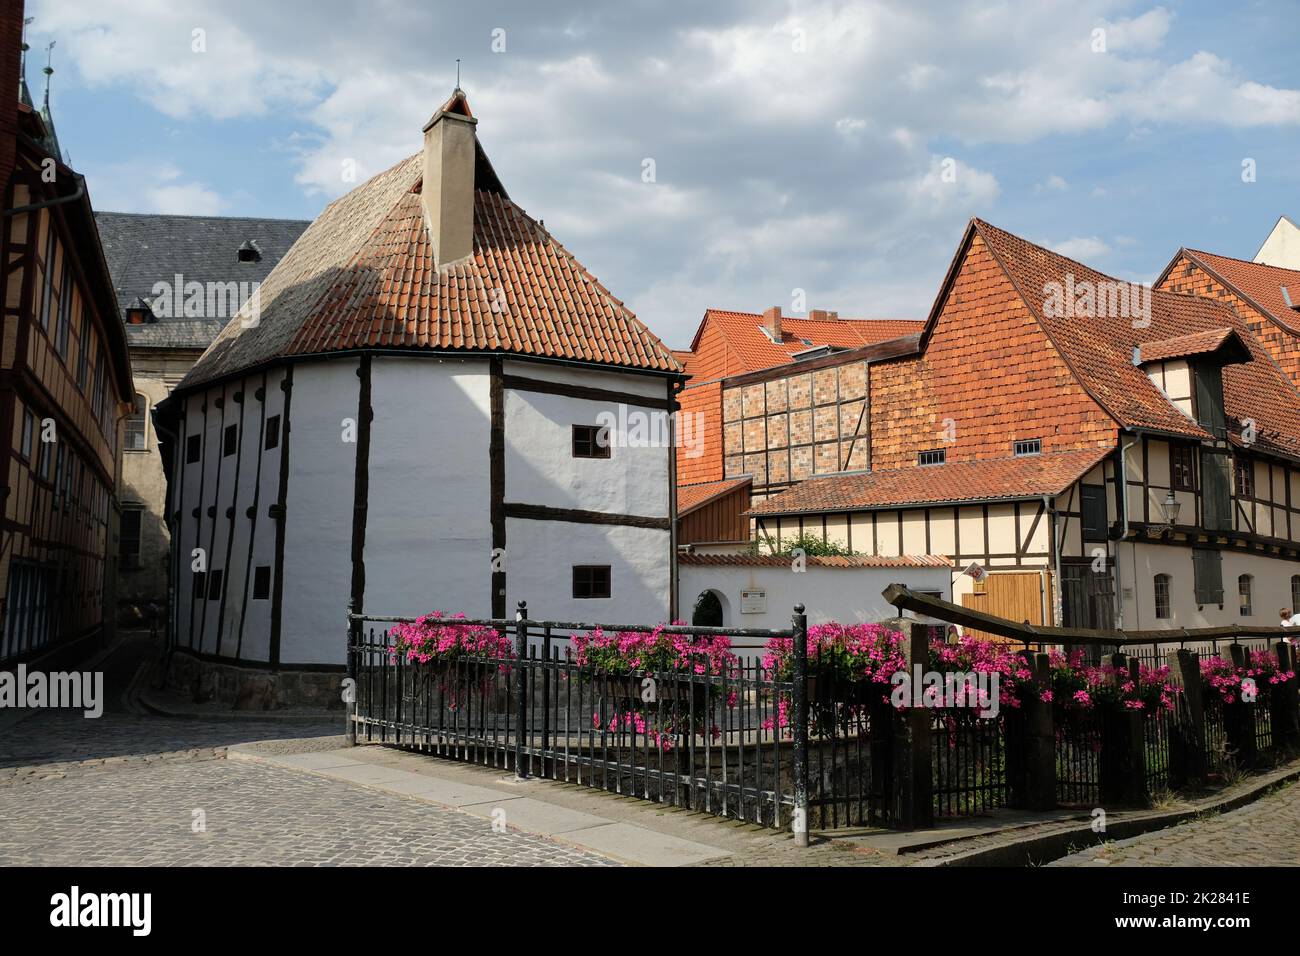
(1263, 833)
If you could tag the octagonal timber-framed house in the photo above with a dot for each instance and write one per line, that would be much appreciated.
(409, 424)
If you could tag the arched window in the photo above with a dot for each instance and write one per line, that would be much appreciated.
(1243, 590)
(1162, 595)
(137, 428)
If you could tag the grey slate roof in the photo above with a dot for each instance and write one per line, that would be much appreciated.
(143, 249)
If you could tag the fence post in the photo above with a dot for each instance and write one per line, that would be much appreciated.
(1035, 780)
(350, 689)
(521, 687)
(800, 694)
(1239, 718)
(913, 803)
(1187, 755)
(1123, 744)
(1285, 705)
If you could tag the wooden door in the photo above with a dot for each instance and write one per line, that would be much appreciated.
(1014, 595)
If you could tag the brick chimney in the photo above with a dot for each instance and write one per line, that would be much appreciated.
(447, 193)
(772, 322)
(821, 315)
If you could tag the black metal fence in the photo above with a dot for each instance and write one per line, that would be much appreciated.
(801, 751)
(718, 740)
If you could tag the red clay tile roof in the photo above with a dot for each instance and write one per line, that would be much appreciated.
(690, 497)
(1099, 350)
(750, 349)
(362, 275)
(996, 479)
(1260, 284)
(817, 561)
(1194, 343)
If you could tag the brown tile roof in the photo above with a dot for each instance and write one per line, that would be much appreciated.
(1099, 349)
(1259, 283)
(1194, 343)
(362, 275)
(817, 561)
(749, 349)
(690, 497)
(997, 479)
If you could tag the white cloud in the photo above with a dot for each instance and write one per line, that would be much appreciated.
(815, 154)
(160, 187)
(1081, 248)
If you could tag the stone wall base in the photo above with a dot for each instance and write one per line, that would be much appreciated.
(253, 688)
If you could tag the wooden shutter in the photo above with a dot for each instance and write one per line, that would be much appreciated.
(1207, 567)
(1216, 491)
(1093, 505)
(1209, 399)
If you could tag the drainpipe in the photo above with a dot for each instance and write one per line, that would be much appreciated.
(1054, 558)
(1122, 481)
(57, 201)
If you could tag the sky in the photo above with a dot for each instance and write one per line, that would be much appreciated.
(737, 154)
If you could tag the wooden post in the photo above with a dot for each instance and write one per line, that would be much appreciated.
(1032, 749)
(1123, 747)
(1285, 703)
(1187, 755)
(1239, 718)
(800, 702)
(913, 786)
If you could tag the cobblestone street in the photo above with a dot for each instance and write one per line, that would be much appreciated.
(1263, 833)
(124, 789)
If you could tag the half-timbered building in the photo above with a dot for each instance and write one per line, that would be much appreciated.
(64, 385)
(436, 407)
(1131, 459)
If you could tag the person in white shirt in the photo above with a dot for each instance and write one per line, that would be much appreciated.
(1290, 620)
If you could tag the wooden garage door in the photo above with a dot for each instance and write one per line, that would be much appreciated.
(1015, 595)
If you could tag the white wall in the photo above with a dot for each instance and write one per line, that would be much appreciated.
(539, 570)
(318, 530)
(428, 527)
(846, 595)
(1271, 588)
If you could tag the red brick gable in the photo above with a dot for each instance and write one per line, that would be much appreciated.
(990, 368)
(1198, 273)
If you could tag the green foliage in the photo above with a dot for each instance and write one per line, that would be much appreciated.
(814, 547)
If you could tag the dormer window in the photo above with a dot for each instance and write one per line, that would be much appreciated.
(248, 252)
(139, 312)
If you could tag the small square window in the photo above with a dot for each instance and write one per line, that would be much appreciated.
(214, 585)
(590, 441)
(231, 442)
(273, 432)
(262, 582)
(935, 456)
(193, 448)
(591, 581)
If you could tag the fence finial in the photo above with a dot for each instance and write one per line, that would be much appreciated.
(798, 609)
(521, 611)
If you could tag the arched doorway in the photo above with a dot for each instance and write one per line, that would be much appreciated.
(710, 609)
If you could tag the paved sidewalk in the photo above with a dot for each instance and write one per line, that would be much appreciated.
(632, 831)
